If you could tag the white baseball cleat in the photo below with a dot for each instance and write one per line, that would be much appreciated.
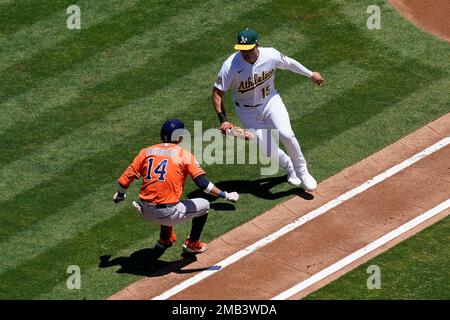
(292, 178)
(309, 183)
(294, 181)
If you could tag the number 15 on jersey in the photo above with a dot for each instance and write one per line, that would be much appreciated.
(265, 92)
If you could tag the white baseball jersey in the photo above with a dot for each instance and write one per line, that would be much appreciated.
(254, 84)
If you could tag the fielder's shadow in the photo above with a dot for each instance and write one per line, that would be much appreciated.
(145, 262)
(260, 188)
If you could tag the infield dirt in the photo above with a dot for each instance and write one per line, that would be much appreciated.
(429, 15)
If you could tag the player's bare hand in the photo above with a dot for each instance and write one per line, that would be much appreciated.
(224, 126)
(317, 78)
(119, 197)
(232, 196)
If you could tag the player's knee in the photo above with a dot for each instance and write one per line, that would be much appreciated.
(204, 205)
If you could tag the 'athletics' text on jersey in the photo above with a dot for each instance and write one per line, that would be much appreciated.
(254, 84)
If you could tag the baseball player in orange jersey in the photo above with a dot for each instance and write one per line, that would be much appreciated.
(164, 168)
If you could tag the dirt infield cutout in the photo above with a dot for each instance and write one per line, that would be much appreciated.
(429, 15)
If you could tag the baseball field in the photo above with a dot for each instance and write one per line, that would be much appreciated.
(78, 104)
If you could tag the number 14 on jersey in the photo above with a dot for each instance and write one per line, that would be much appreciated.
(160, 170)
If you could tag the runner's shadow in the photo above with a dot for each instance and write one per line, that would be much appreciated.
(145, 262)
(260, 188)
(222, 206)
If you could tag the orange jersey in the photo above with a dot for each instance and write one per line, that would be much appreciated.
(163, 168)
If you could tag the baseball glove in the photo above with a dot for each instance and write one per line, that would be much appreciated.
(232, 130)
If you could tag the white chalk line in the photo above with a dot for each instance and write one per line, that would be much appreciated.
(363, 251)
(302, 220)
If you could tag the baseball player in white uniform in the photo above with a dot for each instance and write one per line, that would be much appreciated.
(250, 74)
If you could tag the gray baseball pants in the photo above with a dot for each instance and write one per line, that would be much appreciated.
(174, 214)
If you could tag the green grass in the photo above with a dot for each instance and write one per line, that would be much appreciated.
(78, 105)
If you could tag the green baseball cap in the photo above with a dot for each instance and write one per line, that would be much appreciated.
(246, 39)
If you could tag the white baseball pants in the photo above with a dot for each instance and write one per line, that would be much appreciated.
(273, 115)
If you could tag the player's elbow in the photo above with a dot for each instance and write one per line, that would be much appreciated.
(217, 93)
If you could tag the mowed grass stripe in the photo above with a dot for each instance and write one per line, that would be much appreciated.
(83, 44)
(305, 97)
(134, 53)
(354, 139)
(46, 34)
(94, 103)
(18, 14)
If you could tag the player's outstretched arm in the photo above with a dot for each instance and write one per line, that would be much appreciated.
(209, 188)
(293, 65)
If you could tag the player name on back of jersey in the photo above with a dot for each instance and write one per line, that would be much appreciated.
(154, 151)
(257, 80)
